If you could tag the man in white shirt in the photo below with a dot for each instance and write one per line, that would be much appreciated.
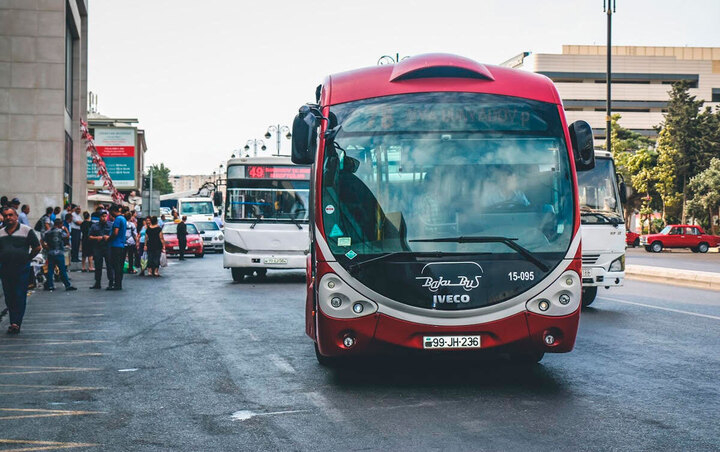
(77, 220)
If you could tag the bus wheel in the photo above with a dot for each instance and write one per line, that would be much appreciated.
(326, 361)
(527, 358)
(237, 274)
(588, 295)
(656, 247)
(261, 272)
(703, 247)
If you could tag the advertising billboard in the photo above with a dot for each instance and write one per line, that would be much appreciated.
(116, 146)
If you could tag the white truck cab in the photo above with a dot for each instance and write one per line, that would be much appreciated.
(196, 209)
(603, 227)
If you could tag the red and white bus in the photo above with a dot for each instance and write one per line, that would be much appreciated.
(445, 210)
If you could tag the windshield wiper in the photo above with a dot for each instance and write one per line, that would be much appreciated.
(385, 256)
(258, 217)
(293, 218)
(508, 241)
(600, 214)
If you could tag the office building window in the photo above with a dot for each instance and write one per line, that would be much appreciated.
(69, 40)
(68, 173)
(715, 95)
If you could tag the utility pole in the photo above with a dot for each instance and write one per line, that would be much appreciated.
(151, 190)
(609, 8)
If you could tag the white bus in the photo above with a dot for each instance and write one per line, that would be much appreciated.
(266, 215)
(602, 226)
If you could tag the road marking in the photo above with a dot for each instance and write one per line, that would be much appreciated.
(281, 363)
(321, 402)
(46, 445)
(706, 316)
(250, 334)
(44, 370)
(26, 389)
(244, 415)
(133, 369)
(41, 413)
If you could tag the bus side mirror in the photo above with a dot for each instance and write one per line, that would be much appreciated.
(581, 137)
(623, 192)
(304, 137)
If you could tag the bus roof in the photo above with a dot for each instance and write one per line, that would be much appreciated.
(264, 160)
(436, 72)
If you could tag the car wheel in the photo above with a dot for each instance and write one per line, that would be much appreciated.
(201, 255)
(588, 295)
(656, 247)
(703, 247)
(636, 243)
(647, 248)
(694, 250)
(238, 274)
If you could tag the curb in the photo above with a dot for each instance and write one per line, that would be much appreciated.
(674, 276)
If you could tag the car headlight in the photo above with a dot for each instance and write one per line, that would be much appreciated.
(219, 237)
(618, 264)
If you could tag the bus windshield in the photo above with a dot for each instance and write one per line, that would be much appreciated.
(197, 208)
(406, 170)
(267, 193)
(598, 193)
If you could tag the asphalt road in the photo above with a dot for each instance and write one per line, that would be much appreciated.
(191, 361)
(676, 258)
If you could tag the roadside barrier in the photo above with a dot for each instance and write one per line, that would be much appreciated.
(675, 276)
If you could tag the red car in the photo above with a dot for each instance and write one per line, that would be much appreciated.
(194, 240)
(632, 239)
(680, 236)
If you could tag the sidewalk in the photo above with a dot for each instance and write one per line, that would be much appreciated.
(674, 276)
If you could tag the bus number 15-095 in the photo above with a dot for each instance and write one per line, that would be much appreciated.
(522, 276)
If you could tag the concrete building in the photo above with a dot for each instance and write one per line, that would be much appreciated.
(640, 83)
(43, 96)
(183, 183)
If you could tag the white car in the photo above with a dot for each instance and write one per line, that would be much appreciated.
(212, 235)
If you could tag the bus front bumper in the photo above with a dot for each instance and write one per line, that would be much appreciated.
(264, 260)
(598, 276)
(377, 333)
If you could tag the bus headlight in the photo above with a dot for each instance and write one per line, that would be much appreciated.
(338, 300)
(618, 265)
(560, 298)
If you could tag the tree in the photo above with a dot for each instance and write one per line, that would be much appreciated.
(626, 145)
(666, 174)
(706, 194)
(681, 145)
(161, 178)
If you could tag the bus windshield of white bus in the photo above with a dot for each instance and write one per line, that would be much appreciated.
(405, 171)
(197, 208)
(264, 193)
(598, 193)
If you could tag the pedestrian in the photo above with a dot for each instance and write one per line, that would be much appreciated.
(4, 202)
(95, 216)
(23, 215)
(117, 246)
(18, 246)
(15, 204)
(99, 235)
(87, 247)
(44, 224)
(218, 221)
(155, 243)
(162, 220)
(131, 239)
(141, 245)
(182, 237)
(75, 234)
(54, 242)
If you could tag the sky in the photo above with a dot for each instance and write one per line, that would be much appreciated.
(204, 77)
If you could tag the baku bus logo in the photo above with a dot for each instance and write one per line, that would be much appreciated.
(437, 275)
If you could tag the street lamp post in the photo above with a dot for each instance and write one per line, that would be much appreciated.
(255, 143)
(277, 130)
(387, 59)
(609, 8)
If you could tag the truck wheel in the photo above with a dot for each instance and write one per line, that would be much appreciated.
(326, 361)
(703, 247)
(656, 247)
(237, 274)
(588, 295)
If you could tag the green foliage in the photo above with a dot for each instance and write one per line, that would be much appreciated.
(161, 178)
(706, 193)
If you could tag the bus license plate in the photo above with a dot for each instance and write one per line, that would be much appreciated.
(451, 341)
(275, 260)
(587, 273)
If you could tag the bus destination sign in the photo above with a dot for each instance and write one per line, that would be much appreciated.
(278, 172)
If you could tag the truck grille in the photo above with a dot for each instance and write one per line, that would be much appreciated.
(590, 258)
